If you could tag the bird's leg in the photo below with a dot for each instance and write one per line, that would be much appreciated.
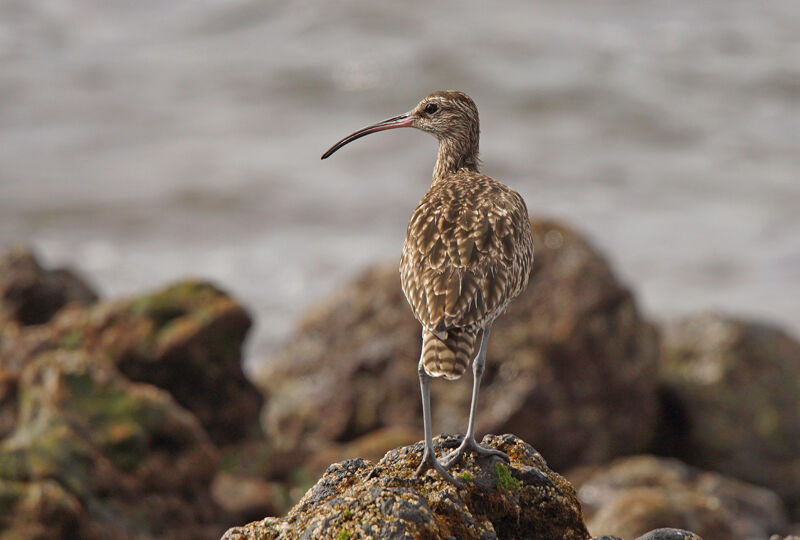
(429, 460)
(469, 444)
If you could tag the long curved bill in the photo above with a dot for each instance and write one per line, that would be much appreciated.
(404, 120)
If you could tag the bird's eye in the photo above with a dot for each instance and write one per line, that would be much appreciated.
(431, 108)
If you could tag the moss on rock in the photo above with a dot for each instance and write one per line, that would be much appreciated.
(363, 499)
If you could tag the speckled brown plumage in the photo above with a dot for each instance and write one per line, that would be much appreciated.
(467, 254)
(468, 248)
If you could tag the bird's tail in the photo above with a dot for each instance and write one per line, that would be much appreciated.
(450, 357)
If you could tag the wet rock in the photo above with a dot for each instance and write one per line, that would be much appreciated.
(571, 367)
(94, 456)
(31, 294)
(633, 495)
(736, 385)
(185, 338)
(361, 499)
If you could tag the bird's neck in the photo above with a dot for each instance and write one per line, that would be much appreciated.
(454, 155)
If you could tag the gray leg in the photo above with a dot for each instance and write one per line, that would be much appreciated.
(469, 443)
(429, 460)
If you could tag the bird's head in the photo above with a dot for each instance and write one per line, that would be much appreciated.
(450, 116)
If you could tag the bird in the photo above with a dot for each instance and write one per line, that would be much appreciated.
(467, 254)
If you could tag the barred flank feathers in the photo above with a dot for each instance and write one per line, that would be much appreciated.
(448, 358)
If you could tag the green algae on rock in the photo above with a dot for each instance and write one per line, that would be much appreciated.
(385, 500)
(186, 338)
(123, 459)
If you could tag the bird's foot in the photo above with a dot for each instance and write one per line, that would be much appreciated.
(429, 461)
(469, 445)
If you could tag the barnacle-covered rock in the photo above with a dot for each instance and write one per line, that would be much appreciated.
(361, 499)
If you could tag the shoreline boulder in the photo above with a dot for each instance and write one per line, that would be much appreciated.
(735, 386)
(632, 495)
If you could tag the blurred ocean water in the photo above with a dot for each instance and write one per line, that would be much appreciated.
(143, 141)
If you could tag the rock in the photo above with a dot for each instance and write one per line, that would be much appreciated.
(8, 401)
(633, 495)
(571, 367)
(29, 294)
(669, 534)
(287, 475)
(659, 534)
(39, 510)
(361, 499)
(196, 354)
(185, 339)
(735, 385)
(96, 456)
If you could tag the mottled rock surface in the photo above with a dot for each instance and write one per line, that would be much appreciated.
(110, 411)
(736, 385)
(95, 456)
(573, 357)
(361, 499)
(195, 352)
(636, 494)
(185, 338)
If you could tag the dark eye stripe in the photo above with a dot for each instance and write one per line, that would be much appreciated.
(431, 108)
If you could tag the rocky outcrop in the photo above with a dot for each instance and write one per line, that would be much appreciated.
(185, 339)
(571, 367)
(111, 412)
(96, 456)
(735, 386)
(194, 350)
(361, 499)
(633, 495)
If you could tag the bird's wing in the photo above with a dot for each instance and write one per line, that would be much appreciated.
(467, 253)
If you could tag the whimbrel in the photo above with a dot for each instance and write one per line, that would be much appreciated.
(467, 254)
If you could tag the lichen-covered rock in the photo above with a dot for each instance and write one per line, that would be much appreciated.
(635, 494)
(735, 385)
(30, 294)
(361, 499)
(571, 367)
(107, 458)
(185, 338)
